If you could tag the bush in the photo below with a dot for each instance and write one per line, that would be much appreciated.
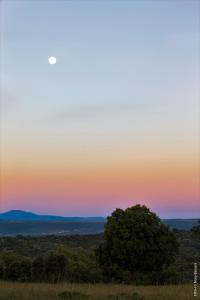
(135, 241)
(37, 269)
(15, 267)
(55, 266)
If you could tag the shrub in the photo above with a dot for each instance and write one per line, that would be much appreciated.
(135, 241)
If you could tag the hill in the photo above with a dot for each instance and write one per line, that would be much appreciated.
(20, 215)
(13, 227)
(27, 223)
(181, 224)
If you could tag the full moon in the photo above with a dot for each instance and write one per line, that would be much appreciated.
(52, 60)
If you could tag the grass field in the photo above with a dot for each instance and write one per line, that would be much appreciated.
(35, 291)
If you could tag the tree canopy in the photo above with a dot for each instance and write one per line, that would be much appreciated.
(135, 240)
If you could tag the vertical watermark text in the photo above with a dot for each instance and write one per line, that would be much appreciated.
(195, 279)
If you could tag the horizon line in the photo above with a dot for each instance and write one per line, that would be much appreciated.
(85, 217)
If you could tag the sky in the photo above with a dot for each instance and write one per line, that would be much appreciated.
(115, 122)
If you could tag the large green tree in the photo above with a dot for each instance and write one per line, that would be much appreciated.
(135, 240)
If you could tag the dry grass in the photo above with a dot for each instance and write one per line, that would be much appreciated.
(41, 291)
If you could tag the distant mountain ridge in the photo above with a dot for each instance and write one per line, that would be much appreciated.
(20, 215)
(27, 223)
(181, 224)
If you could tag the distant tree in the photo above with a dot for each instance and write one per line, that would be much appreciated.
(82, 266)
(135, 240)
(25, 269)
(1, 270)
(37, 269)
(15, 267)
(13, 271)
(55, 265)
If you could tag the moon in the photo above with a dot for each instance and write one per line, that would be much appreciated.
(52, 60)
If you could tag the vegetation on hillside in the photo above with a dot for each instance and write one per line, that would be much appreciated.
(76, 258)
(41, 228)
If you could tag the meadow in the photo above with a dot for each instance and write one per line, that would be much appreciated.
(45, 291)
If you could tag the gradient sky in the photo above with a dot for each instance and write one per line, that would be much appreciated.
(115, 122)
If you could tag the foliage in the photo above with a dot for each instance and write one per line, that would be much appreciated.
(73, 259)
(189, 253)
(39, 245)
(15, 267)
(59, 265)
(136, 241)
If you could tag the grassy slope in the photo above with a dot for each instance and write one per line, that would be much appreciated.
(33, 291)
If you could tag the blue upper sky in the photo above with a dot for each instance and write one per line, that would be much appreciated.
(126, 83)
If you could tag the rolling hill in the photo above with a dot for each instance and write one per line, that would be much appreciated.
(20, 215)
(16, 222)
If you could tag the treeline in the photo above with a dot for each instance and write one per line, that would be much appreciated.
(135, 248)
(31, 259)
(61, 264)
(39, 245)
(72, 265)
